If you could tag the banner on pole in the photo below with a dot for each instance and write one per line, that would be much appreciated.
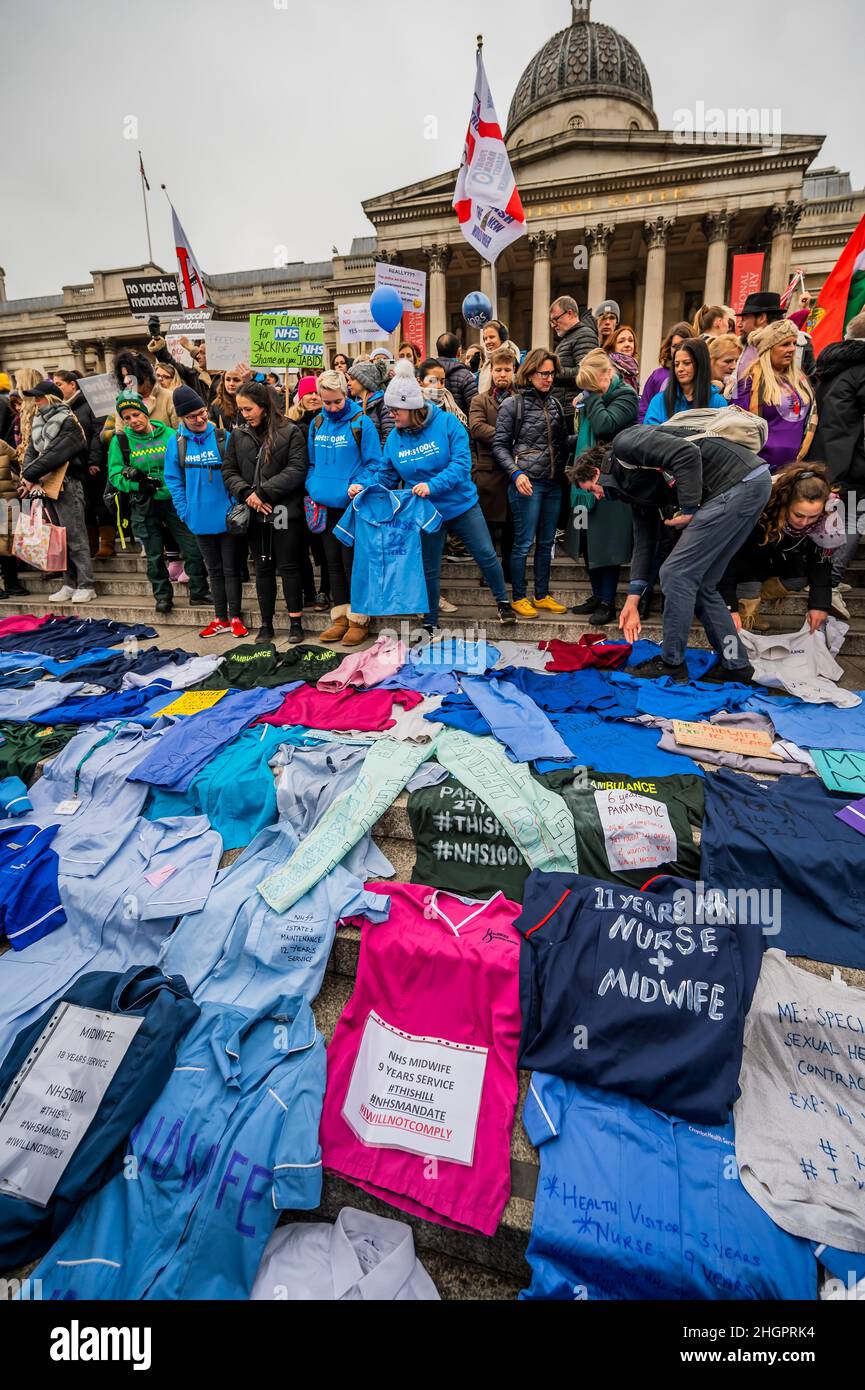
(747, 278)
(486, 199)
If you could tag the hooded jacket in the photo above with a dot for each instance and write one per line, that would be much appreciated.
(198, 489)
(439, 454)
(282, 476)
(147, 453)
(460, 382)
(570, 349)
(343, 449)
(838, 440)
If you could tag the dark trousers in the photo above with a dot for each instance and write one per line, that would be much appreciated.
(278, 550)
(156, 524)
(94, 499)
(222, 557)
(313, 551)
(339, 560)
(604, 580)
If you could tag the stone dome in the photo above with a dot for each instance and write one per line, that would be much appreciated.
(578, 66)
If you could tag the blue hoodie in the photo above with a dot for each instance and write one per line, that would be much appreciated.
(335, 459)
(440, 455)
(656, 413)
(197, 489)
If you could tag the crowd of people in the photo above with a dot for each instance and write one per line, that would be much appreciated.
(543, 451)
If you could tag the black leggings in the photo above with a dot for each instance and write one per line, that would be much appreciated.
(339, 560)
(278, 549)
(221, 556)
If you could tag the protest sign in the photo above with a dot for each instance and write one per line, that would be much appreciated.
(152, 294)
(194, 701)
(753, 743)
(278, 340)
(191, 324)
(100, 393)
(177, 350)
(355, 324)
(409, 284)
(226, 344)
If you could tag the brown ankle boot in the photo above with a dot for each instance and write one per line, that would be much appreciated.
(106, 549)
(336, 631)
(357, 633)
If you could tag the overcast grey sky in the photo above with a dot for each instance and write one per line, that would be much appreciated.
(271, 120)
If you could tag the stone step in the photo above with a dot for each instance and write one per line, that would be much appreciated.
(505, 1251)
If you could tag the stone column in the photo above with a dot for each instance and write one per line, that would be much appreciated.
(486, 279)
(505, 290)
(598, 240)
(639, 284)
(106, 352)
(716, 229)
(543, 245)
(78, 354)
(782, 219)
(439, 258)
(656, 234)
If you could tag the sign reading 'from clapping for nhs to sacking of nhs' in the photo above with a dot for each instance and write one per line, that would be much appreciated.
(286, 340)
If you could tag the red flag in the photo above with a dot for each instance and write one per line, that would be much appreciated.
(842, 296)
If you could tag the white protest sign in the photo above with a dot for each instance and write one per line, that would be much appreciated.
(409, 284)
(100, 393)
(177, 350)
(226, 344)
(419, 1094)
(637, 830)
(190, 324)
(50, 1105)
(355, 324)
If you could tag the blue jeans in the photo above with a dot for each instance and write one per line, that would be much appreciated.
(690, 575)
(535, 519)
(472, 531)
(604, 580)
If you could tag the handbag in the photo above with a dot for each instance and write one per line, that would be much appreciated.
(37, 541)
(316, 515)
(239, 514)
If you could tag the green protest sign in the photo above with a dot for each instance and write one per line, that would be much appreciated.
(286, 340)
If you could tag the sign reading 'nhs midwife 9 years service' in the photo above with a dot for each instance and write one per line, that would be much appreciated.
(286, 340)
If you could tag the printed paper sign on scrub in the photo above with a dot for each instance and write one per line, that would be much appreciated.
(637, 830)
(50, 1105)
(418, 1094)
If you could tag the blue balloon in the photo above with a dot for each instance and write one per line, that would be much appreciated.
(477, 309)
(386, 308)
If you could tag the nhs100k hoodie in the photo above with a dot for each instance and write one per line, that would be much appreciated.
(438, 454)
(197, 489)
(343, 449)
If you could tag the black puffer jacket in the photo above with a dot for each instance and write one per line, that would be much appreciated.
(536, 443)
(94, 453)
(570, 350)
(790, 557)
(283, 476)
(69, 446)
(460, 382)
(838, 440)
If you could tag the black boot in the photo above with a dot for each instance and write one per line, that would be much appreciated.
(295, 632)
(603, 614)
(644, 607)
(742, 675)
(657, 667)
(265, 632)
(588, 606)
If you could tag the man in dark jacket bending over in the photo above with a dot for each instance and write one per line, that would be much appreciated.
(711, 493)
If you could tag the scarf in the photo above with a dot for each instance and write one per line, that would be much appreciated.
(47, 424)
(627, 367)
(827, 531)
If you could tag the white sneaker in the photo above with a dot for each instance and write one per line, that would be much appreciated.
(63, 595)
(83, 595)
(843, 588)
(839, 607)
(445, 607)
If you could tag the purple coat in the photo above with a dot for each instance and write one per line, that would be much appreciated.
(786, 425)
(655, 383)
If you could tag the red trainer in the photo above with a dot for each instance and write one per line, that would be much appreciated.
(215, 629)
(237, 628)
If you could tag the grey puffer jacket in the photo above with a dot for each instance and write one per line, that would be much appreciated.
(534, 444)
(571, 349)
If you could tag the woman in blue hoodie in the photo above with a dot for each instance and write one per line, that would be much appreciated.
(689, 385)
(344, 450)
(201, 501)
(429, 450)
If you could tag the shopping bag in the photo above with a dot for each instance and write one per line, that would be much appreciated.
(37, 541)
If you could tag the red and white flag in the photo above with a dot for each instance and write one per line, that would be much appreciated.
(192, 291)
(486, 200)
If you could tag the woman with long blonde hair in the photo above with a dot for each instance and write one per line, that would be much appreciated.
(25, 379)
(770, 383)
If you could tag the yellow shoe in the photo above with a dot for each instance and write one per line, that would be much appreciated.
(524, 608)
(549, 605)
